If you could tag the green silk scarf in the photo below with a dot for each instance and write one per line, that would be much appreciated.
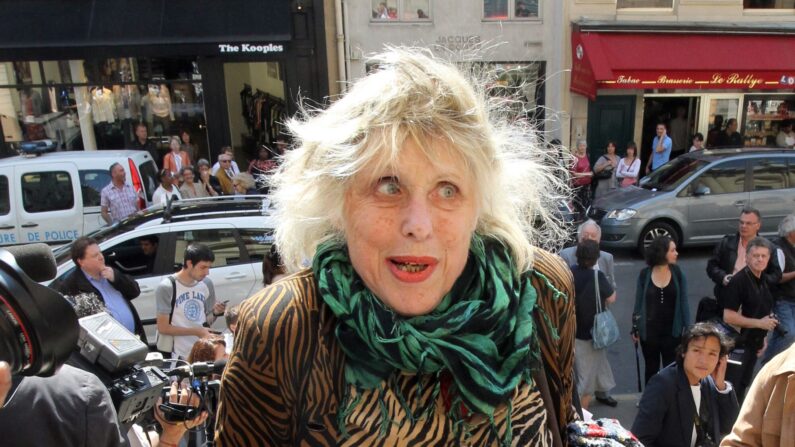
(482, 332)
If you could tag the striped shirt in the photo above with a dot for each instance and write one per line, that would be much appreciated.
(121, 202)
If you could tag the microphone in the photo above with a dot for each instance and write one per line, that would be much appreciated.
(35, 260)
(199, 369)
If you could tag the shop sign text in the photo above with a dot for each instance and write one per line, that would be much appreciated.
(458, 42)
(250, 48)
(699, 80)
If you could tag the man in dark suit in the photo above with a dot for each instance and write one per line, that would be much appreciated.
(728, 257)
(114, 288)
(690, 398)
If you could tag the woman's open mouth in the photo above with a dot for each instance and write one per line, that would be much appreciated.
(412, 268)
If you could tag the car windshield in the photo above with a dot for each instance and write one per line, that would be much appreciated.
(672, 174)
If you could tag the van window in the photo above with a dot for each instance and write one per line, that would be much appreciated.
(91, 184)
(47, 191)
(769, 173)
(725, 178)
(148, 172)
(5, 202)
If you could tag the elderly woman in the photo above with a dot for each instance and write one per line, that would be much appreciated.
(244, 184)
(191, 189)
(427, 317)
(661, 307)
(581, 178)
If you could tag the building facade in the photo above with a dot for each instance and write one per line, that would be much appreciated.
(517, 38)
(85, 73)
(694, 65)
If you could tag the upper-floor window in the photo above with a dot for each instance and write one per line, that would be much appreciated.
(510, 9)
(769, 4)
(627, 4)
(401, 10)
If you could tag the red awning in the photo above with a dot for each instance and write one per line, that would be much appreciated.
(680, 61)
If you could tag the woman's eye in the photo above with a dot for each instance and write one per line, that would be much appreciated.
(388, 186)
(448, 191)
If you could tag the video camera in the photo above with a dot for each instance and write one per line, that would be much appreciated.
(40, 331)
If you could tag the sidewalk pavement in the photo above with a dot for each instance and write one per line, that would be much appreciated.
(625, 411)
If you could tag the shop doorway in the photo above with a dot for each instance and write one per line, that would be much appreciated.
(680, 115)
(610, 118)
(255, 95)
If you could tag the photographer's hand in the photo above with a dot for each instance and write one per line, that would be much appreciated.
(173, 431)
(5, 382)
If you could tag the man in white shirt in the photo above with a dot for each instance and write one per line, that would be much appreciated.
(186, 305)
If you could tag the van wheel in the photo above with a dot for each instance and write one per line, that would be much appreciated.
(654, 230)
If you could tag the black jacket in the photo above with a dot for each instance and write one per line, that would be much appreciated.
(722, 263)
(76, 283)
(666, 409)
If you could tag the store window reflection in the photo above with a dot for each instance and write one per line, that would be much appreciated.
(98, 103)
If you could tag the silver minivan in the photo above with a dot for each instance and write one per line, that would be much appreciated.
(697, 198)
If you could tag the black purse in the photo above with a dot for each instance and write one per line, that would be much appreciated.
(604, 173)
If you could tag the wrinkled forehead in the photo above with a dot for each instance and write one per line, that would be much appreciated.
(384, 156)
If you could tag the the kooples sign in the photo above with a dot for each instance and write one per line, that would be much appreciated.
(700, 80)
(250, 48)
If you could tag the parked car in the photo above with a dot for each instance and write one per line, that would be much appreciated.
(697, 198)
(237, 229)
(54, 197)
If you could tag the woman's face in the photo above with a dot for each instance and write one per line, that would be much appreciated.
(581, 148)
(174, 145)
(264, 154)
(203, 169)
(631, 152)
(611, 149)
(408, 231)
(671, 255)
(187, 176)
(185, 138)
(701, 358)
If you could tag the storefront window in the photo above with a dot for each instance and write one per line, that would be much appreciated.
(765, 119)
(721, 110)
(521, 82)
(401, 10)
(510, 9)
(769, 4)
(627, 4)
(97, 103)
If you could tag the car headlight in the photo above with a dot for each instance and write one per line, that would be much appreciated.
(623, 214)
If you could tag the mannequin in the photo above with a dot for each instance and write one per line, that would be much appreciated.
(158, 109)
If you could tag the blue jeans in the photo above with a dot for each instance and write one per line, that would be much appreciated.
(785, 312)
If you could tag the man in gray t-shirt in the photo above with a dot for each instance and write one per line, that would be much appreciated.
(195, 307)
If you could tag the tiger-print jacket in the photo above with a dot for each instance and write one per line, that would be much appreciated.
(284, 380)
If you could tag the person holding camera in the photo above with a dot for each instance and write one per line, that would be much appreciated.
(747, 304)
(605, 171)
(728, 258)
(689, 403)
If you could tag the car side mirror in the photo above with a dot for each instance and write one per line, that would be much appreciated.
(701, 190)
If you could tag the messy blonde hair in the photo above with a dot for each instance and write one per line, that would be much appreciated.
(414, 95)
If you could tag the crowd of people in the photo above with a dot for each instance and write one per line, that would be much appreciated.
(420, 308)
(697, 373)
(181, 176)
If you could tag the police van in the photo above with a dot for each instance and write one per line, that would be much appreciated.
(54, 197)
